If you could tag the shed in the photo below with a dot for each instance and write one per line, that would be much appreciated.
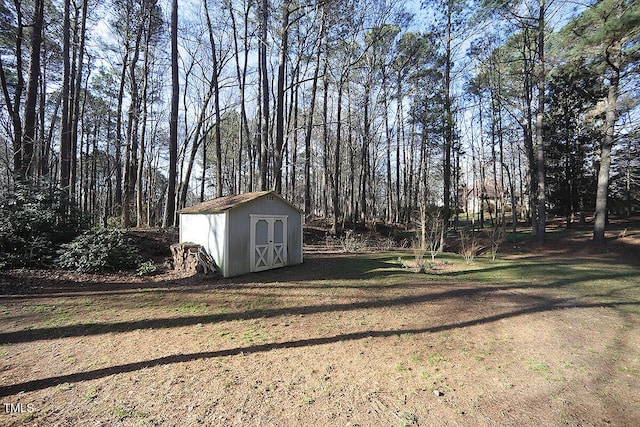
(246, 232)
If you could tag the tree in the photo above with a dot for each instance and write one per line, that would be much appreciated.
(13, 105)
(448, 115)
(573, 91)
(311, 113)
(451, 28)
(28, 166)
(153, 30)
(242, 63)
(170, 209)
(609, 30)
(524, 53)
(416, 65)
(280, 95)
(131, 140)
(65, 130)
(216, 104)
(540, 157)
(264, 93)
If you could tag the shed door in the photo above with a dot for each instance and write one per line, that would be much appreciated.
(268, 242)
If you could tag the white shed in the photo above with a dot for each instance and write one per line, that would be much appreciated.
(246, 232)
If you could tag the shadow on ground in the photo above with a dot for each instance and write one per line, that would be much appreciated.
(319, 271)
(544, 304)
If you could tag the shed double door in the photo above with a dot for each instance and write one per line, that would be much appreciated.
(268, 242)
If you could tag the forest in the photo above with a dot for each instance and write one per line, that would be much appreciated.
(121, 112)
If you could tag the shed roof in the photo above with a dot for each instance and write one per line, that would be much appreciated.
(225, 203)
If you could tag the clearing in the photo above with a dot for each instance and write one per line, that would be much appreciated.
(537, 337)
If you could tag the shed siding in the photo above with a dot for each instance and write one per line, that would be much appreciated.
(239, 222)
(206, 230)
(227, 235)
(239, 241)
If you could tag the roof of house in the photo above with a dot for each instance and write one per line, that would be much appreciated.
(225, 203)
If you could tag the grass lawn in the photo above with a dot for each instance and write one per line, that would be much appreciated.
(533, 338)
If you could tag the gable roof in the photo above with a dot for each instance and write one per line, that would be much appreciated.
(226, 203)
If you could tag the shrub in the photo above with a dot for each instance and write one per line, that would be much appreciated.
(497, 235)
(431, 233)
(35, 218)
(469, 246)
(147, 268)
(99, 250)
(353, 242)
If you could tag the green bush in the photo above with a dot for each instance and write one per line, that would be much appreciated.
(99, 250)
(147, 268)
(35, 218)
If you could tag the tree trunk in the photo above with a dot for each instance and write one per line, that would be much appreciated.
(365, 153)
(46, 134)
(118, 142)
(279, 142)
(142, 143)
(28, 166)
(76, 77)
(309, 130)
(294, 147)
(65, 137)
(528, 136)
(326, 180)
(13, 106)
(540, 157)
(399, 139)
(131, 146)
(241, 74)
(215, 89)
(170, 209)
(387, 132)
(448, 118)
(264, 80)
(336, 159)
(602, 190)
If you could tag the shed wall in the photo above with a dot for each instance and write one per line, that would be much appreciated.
(239, 225)
(207, 230)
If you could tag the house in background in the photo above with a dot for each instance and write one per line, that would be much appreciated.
(246, 232)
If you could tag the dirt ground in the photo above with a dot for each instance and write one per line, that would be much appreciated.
(540, 338)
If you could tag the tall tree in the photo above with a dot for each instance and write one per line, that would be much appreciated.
(540, 157)
(451, 31)
(574, 90)
(170, 207)
(153, 25)
(526, 48)
(264, 91)
(216, 103)
(610, 30)
(311, 113)
(280, 96)
(448, 114)
(65, 131)
(131, 139)
(76, 82)
(242, 64)
(28, 166)
(13, 105)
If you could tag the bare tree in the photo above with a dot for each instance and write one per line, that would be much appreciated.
(540, 157)
(65, 137)
(170, 208)
(264, 92)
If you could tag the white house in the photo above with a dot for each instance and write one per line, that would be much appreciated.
(246, 232)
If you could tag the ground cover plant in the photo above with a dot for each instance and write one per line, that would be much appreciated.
(546, 336)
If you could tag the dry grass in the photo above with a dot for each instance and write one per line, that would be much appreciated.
(534, 338)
